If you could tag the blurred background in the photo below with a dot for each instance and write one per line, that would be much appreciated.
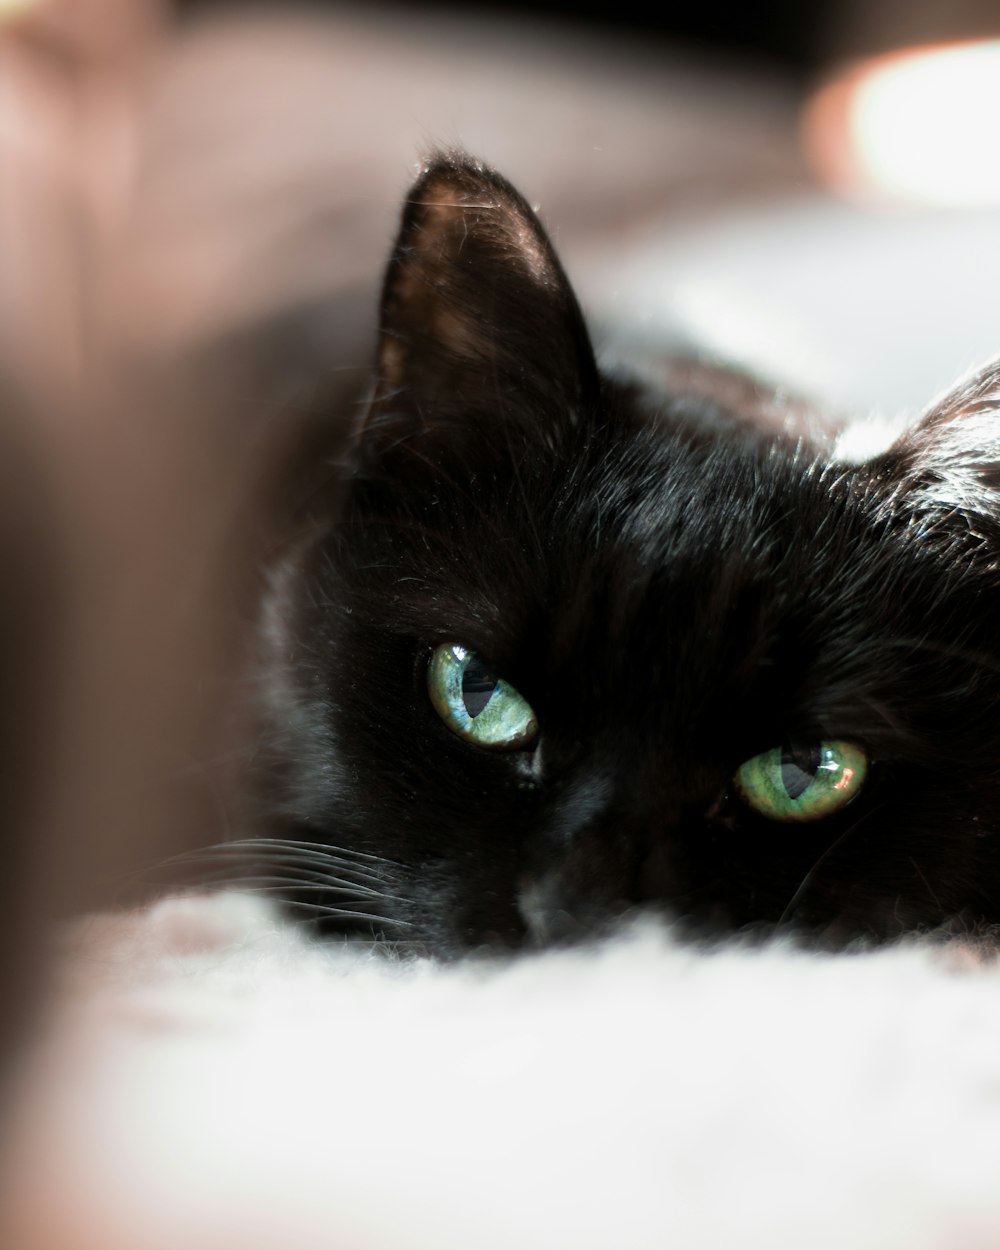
(793, 38)
(196, 202)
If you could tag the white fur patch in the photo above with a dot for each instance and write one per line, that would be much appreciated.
(866, 437)
(213, 1080)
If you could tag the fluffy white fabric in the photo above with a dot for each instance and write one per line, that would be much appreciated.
(213, 1080)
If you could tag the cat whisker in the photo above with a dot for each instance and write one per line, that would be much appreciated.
(807, 880)
(328, 911)
(279, 893)
(325, 848)
(276, 849)
(264, 884)
(920, 873)
(277, 857)
(328, 876)
(303, 852)
(325, 874)
(463, 204)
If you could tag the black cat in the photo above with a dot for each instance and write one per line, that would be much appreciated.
(562, 646)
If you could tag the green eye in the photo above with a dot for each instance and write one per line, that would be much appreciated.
(476, 704)
(802, 781)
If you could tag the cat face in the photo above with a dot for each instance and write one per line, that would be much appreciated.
(568, 647)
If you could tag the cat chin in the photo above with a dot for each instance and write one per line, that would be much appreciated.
(212, 1078)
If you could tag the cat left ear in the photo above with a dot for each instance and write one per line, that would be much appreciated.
(949, 463)
(478, 319)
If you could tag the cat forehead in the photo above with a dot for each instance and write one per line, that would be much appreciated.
(621, 516)
(643, 558)
(664, 499)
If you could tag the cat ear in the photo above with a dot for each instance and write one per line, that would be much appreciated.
(478, 319)
(948, 466)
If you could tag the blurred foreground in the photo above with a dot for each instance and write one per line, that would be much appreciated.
(193, 220)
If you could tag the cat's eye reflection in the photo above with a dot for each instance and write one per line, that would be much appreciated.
(475, 703)
(802, 781)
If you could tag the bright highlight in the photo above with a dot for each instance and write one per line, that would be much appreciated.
(14, 8)
(917, 126)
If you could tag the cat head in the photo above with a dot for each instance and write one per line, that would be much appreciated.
(570, 646)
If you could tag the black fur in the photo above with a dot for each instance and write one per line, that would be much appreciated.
(673, 587)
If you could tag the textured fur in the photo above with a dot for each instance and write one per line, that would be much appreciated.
(676, 581)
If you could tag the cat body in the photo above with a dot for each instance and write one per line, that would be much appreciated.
(664, 591)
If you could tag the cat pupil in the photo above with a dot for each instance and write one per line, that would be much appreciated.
(478, 683)
(799, 764)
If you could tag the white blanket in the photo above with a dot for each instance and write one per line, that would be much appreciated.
(211, 1079)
